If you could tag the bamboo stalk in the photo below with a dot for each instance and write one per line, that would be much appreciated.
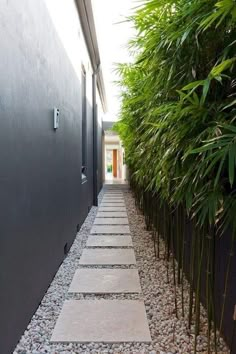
(197, 313)
(178, 244)
(230, 256)
(208, 294)
(174, 275)
(233, 332)
(158, 229)
(182, 267)
(166, 247)
(192, 259)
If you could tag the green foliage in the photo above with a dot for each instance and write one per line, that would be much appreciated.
(177, 120)
(178, 126)
(109, 168)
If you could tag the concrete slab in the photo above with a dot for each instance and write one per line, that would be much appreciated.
(106, 256)
(105, 204)
(111, 214)
(112, 200)
(113, 191)
(110, 229)
(112, 208)
(109, 241)
(105, 281)
(116, 186)
(111, 221)
(115, 196)
(107, 321)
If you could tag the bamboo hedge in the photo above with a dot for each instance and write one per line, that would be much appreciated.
(178, 127)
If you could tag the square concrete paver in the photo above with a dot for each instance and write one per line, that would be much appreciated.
(113, 201)
(112, 208)
(113, 198)
(111, 214)
(103, 281)
(111, 221)
(109, 200)
(109, 241)
(108, 321)
(110, 229)
(106, 256)
(110, 195)
(113, 192)
(112, 204)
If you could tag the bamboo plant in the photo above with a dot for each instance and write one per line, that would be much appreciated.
(177, 124)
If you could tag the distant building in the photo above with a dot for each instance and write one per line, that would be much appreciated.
(114, 167)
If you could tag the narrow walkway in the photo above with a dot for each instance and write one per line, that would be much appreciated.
(102, 286)
(105, 320)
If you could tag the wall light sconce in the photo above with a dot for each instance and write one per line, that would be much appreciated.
(56, 118)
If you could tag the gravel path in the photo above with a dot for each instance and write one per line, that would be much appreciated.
(169, 334)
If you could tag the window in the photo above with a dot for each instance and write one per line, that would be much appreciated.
(84, 125)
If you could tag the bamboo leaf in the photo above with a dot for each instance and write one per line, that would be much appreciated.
(205, 90)
(219, 171)
(230, 105)
(218, 69)
(193, 85)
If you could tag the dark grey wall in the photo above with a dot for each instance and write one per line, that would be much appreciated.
(99, 158)
(41, 196)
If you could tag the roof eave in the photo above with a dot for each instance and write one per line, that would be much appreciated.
(88, 26)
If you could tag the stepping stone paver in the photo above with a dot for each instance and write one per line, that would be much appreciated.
(108, 321)
(111, 214)
(111, 221)
(109, 241)
(110, 229)
(105, 204)
(113, 191)
(109, 200)
(107, 256)
(112, 201)
(112, 208)
(105, 281)
(113, 198)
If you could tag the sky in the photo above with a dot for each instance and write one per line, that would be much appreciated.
(113, 35)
